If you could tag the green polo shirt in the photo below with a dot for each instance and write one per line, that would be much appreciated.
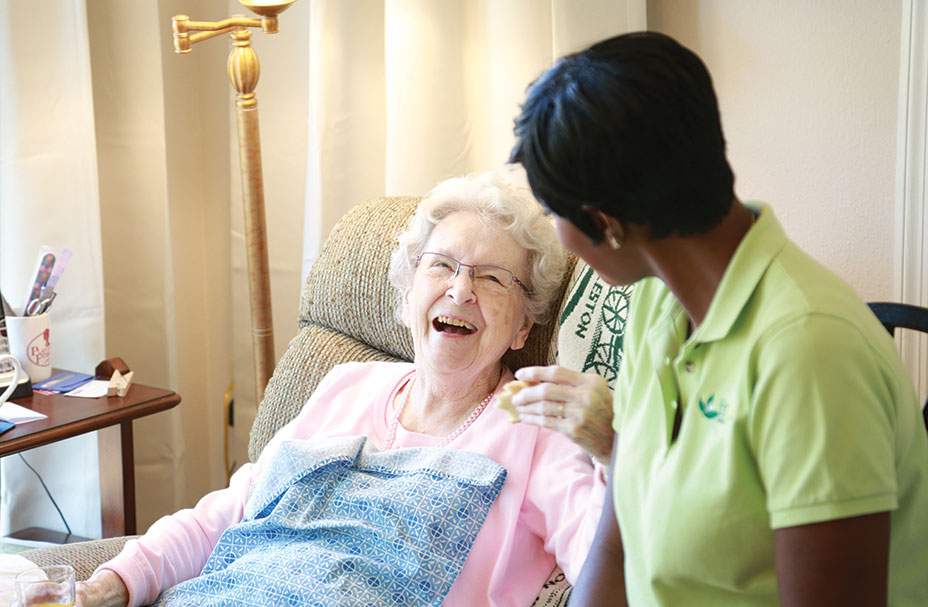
(795, 409)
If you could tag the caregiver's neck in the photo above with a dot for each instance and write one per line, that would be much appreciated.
(693, 266)
(440, 402)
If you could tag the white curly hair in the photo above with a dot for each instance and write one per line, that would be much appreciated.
(501, 196)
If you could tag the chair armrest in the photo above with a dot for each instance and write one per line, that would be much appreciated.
(85, 557)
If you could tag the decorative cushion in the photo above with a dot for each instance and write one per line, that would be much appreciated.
(591, 324)
(555, 592)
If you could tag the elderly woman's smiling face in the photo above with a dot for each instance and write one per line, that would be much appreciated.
(467, 323)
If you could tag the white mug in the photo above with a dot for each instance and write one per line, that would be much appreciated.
(17, 370)
(30, 341)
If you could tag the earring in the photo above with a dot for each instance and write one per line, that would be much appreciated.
(614, 243)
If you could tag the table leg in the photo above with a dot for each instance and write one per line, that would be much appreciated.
(117, 480)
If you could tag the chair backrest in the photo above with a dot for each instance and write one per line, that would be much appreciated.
(902, 316)
(347, 314)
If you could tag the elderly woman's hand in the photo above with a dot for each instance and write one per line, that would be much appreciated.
(578, 405)
(104, 589)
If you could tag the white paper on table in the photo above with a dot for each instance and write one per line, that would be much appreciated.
(19, 415)
(92, 389)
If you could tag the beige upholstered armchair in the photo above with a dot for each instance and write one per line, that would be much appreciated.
(346, 314)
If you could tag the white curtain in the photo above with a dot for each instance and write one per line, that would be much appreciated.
(49, 195)
(116, 147)
(163, 145)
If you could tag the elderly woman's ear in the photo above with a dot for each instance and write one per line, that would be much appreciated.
(522, 334)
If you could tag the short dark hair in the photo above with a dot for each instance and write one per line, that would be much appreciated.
(629, 126)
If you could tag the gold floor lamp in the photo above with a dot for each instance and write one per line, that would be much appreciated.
(243, 71)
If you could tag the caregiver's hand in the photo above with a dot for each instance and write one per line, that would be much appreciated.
(104, 589)
(578, 405)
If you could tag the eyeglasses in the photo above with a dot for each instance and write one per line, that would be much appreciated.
(486, 278)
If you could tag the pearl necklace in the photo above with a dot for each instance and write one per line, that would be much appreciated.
(391, 436)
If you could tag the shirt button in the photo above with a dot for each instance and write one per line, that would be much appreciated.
(689, 366)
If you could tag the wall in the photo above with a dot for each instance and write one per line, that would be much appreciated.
(808, 93)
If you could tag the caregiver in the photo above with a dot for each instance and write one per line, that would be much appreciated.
(770, 448)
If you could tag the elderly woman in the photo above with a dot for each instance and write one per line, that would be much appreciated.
(475, 269)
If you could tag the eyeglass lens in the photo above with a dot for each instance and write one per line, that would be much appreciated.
(485, 277)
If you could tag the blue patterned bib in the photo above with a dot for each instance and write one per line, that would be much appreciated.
(335, 522)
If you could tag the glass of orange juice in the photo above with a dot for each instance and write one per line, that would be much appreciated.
(51, 586)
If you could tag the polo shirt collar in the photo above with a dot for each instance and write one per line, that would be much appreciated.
(760, 245)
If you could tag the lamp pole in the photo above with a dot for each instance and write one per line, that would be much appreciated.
(244, 70)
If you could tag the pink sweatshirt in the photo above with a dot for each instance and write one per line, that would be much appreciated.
(546, 513)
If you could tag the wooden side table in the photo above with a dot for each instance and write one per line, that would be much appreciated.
(112, 416)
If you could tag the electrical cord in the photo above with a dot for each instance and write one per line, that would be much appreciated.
(47, 492)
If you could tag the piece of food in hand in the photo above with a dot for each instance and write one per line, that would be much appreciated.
(504, 399)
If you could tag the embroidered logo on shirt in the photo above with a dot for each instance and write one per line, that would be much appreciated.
(713, 408)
